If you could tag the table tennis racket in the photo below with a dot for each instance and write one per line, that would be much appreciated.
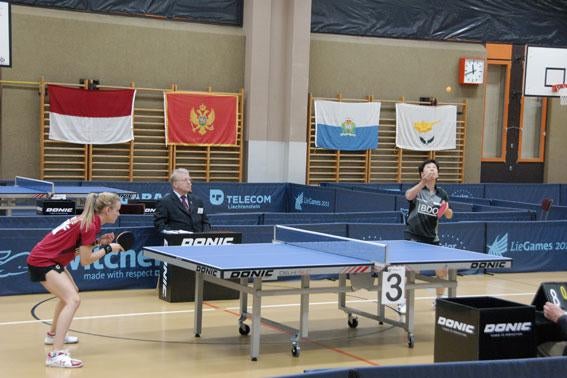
(442, 208)
(125, 239)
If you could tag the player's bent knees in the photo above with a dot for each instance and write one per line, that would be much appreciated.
(72, 300)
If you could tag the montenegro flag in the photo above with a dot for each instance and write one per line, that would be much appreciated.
(200, 119)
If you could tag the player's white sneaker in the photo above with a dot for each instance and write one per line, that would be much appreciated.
(61, 358)
(68, 339)
(402, 309)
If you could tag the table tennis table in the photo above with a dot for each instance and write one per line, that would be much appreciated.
(301, 253)
(29, 188)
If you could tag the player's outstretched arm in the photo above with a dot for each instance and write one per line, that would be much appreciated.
(448, 212)
(87, 256)
(106, 238)
(412, 192)
(91, 253)
(444, 210)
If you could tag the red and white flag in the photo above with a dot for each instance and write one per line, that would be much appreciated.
(200, 119)
(91, 116)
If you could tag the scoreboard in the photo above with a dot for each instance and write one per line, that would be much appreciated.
(554, 292)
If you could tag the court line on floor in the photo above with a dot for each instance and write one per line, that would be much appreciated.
(287, 332)
(232, 308)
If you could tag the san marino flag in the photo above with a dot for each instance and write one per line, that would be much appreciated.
(348, 126)
(426, 128)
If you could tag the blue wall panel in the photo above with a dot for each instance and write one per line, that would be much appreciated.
(351, 201)
(533, 246)
(531, 193)
(115, 271)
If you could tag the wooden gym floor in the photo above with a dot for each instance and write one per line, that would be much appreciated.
(132, 333)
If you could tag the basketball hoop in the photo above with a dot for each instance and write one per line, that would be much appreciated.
(562, 90)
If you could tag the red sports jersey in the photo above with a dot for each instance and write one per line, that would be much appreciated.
(58, 247)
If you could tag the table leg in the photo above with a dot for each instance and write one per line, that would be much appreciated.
(381, 310)
(410, 307)
(199, 283)
(304, 321)
(342, 294)
(243, 303)
(256, 319)
(452, 277)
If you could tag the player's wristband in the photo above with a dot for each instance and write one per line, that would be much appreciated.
(107, 249)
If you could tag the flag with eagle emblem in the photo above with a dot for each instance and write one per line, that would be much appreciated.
(200, 119)
(426, 128)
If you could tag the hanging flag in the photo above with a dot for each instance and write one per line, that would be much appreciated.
(349, 126)
(426, 128)
(90, 116)
(198, 119)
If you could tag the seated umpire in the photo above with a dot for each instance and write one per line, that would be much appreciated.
(556, 315)
(180, 209)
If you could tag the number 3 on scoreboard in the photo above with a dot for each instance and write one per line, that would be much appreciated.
(393, 285)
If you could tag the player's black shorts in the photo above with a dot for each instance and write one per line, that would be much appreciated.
(37, 273)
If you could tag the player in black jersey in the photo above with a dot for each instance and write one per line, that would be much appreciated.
(427, 204)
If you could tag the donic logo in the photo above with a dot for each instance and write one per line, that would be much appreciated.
(12, 265)
(500, 245)
(298, 202)
(216, 197)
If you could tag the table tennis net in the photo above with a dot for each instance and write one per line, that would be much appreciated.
(39, 185)
(338, 245)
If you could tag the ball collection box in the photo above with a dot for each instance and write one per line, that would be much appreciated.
(483, 328)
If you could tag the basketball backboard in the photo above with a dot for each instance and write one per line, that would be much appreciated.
(5, 35)
(545, 67)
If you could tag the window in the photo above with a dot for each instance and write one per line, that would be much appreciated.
(495, 111)
(532, 129)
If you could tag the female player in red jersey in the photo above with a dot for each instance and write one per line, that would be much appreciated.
(48, 260)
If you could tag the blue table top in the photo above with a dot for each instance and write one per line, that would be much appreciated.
(59, 189)
(279, 255)
(256, 256)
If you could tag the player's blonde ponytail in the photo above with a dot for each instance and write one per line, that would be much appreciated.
(94, 204)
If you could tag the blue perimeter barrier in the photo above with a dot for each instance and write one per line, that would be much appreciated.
(495, 226)
(125, 270)
(514, 368)
(475, 193)
(534, 246)
(239, 198)
(252, 219)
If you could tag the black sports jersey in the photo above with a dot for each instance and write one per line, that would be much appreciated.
(422, 222)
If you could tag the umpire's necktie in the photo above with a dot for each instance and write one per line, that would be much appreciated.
(185, 203)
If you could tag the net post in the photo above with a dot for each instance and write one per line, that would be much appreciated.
(31, 183)
(274, 234)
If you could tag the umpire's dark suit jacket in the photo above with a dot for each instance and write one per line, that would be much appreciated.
(171, 215)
